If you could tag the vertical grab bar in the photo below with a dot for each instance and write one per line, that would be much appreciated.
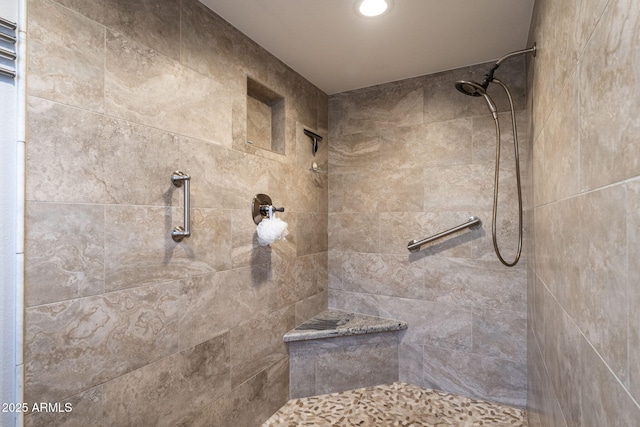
(180, 232)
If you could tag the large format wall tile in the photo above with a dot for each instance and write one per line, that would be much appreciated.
(214, 303)
(63, 161)
(175, 390)
(257, 344)
(560, 150)
(610, 149)
(209, 246)
(77, 344)
(431, 144)
(222, 178)
(292, 281)
(144, 86)
(78, 156)
(585, 160)
(66, 252)
(377, 108)
(475, 283)
(438, 324)
(604, 276)
(353, 232)
(186, 379)
(150, 255)
(356, 366)
(212, 46)
(255, 400)
(500, 333)
(86, 411)
(138, 163)
(390, 275)
(355, 153)
(458, 187)
(310, 238)
(153, 23)
(66, 56)
(475, 376)
(559, 251)
(604, 401)
(385, 190)
(91, 9)
(562, 353)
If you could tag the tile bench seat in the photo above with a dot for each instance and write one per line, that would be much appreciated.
(338, 350)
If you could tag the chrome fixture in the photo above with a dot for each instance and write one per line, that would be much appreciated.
(315, 138)
(261, 206)
(473, 223)
(8, 53)
(180, 232)
(480, 89)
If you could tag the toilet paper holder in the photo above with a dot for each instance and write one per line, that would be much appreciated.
(260, 207)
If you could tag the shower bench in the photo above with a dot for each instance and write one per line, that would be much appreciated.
(339, 350)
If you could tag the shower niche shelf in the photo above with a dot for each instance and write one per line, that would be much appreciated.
(265, 118)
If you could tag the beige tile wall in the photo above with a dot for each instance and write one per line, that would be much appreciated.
(583, 214)
(122, 322)
(407, 160)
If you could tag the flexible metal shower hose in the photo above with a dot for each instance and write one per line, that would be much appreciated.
(497, 177)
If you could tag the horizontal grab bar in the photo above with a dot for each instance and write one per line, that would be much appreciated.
(473, 223)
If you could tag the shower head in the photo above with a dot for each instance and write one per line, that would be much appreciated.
(480, 89)
(470, 88)
(477, 89)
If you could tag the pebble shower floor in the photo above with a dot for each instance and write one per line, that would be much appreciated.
(396, 404)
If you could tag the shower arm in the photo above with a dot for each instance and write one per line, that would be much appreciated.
(488, 78)
(532, 49)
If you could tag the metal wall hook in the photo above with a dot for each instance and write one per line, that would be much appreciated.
(180, 232)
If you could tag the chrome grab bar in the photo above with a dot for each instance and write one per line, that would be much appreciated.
(473, 223)
(180, 232)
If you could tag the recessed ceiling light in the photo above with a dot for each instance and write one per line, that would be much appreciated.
(371, 8)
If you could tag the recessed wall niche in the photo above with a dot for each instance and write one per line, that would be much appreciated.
(265, 118)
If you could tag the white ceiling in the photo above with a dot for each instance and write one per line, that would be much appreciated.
(332, 47)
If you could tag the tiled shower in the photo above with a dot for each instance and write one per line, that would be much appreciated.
(407, 160)
(132, 328)
(121, 321)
